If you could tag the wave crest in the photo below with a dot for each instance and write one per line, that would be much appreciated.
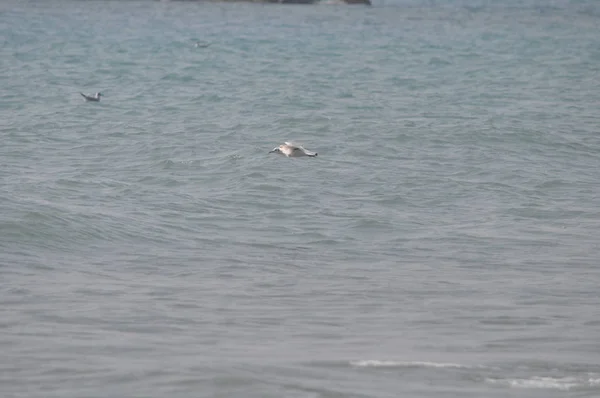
(405, 364)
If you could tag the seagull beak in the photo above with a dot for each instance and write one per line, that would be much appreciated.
(274, 150)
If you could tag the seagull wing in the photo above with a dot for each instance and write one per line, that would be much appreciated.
(293, 144)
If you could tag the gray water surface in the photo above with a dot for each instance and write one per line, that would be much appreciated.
(444, 243)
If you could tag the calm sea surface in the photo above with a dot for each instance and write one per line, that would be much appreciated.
(444, 243)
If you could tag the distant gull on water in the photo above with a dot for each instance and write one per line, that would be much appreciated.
(292, 150)
(95, 97)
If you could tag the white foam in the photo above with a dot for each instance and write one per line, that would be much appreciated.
(556, 383)
(404, 364)
(594, 382)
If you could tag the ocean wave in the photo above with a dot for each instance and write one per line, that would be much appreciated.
(546, 382)
(406, 364)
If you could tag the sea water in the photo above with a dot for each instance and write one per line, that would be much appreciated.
(444, 243)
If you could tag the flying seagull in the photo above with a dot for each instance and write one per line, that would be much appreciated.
(292, 150)
(95, 97)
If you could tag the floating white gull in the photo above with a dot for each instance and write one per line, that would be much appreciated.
(292, 150)
(95, 97)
